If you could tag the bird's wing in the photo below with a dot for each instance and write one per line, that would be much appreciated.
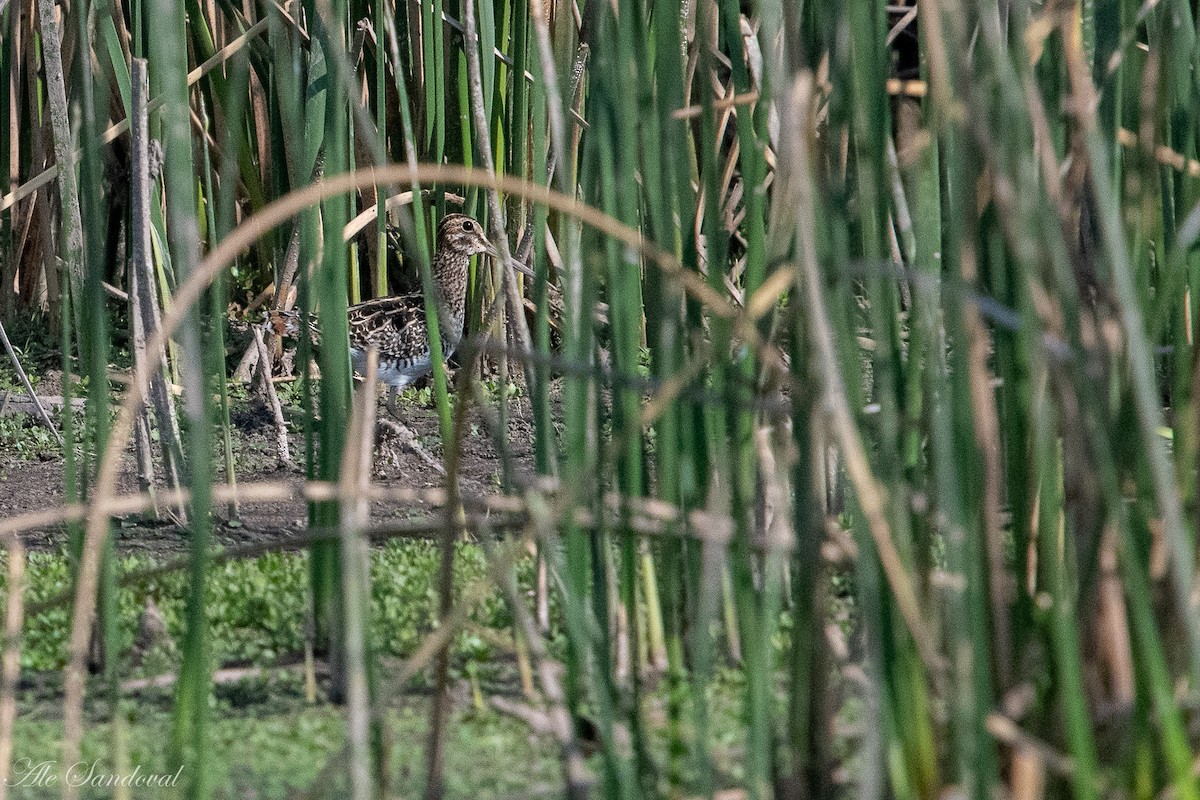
(396, 325)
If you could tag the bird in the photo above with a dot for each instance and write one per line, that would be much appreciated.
(396, 326)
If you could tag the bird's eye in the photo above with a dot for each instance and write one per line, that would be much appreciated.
(468, 225)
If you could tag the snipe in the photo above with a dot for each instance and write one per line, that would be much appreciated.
(396, 325)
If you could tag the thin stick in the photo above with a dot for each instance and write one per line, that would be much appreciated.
(264, 371)
(37, 403)
(138, 287)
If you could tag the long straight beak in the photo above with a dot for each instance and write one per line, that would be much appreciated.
(521, 268)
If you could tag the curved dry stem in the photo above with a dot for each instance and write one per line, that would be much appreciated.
(249, 493)
(370, 214)
(647, 515)
(643, 516)
(243, 236)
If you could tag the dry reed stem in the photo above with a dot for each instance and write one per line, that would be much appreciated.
(507, 275)
(397, 200)
(574, 772)
(987, 440)
(270, 216)
(453, 515)
(1113, 623)
(10, 667)
(141, 313)
(648, 516)
(430, 646)
(72, 249)
(871, 495)
(554, 103)
(355, 563)
(1003, 729)
(218, 59)
(282, 450)
(64, 150)
(226, 675)
(1178, 533)
(144, 309)
(439, 706)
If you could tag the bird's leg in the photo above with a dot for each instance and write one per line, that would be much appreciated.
(406, 437)
(393, 393)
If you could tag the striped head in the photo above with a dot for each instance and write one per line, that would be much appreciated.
(459, 235)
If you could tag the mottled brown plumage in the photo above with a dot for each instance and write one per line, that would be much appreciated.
(396, 326)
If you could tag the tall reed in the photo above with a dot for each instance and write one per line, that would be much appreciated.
(888, 310)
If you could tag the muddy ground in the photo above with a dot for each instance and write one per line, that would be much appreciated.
(32, 485)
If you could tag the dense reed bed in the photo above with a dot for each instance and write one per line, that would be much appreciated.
(879, 308)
